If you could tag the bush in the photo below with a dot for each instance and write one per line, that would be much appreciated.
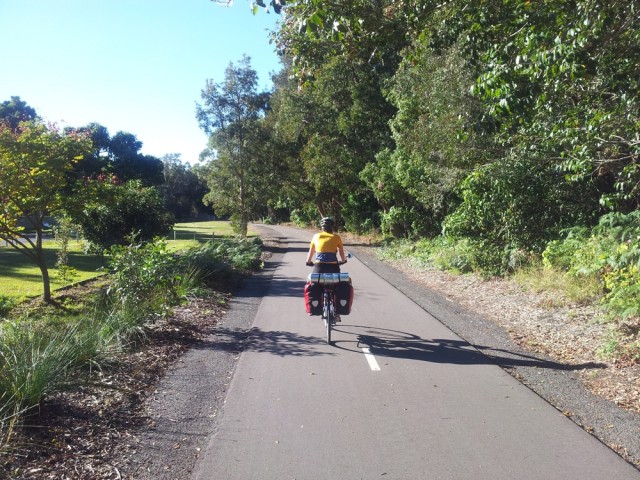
(559, 254)
(516, 204)
(6, 304)
(409, 222)
(220, 258)
(144, 271)
(454, 256)
(623, 297)
(119, 210)
(611, 252)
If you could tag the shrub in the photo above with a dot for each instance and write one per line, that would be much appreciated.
(559, 254)
(219, 259)
(514, 205)
(6, 304)
(454, 256)
(408, 222)
(610, 252)
(623, 287)
(145, 271)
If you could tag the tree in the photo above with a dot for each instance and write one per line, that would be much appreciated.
(114, 213)
(560, 81)
(182, 189)
(35, 161)
(14, 111)
(231, 114)
(339, 122)
(129, 164)
(97, 160)
(439, 138)
(119, 155)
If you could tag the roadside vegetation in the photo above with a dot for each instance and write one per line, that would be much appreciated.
(46, 348)
(596, 265)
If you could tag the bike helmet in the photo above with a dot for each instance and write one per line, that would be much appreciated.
(327, 223)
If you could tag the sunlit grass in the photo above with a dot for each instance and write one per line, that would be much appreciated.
(576, 289)
(20, 277)
(204, 230)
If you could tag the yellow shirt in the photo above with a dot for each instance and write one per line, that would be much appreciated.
(326, 245)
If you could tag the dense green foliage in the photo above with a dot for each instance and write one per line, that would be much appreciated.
(499, 124)
(502, 132)
(115, 213)
(610, 251)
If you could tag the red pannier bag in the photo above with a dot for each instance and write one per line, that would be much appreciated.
(313, 298)
(344, 298)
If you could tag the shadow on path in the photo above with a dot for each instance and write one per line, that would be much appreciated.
(397, 344)
(278, 343)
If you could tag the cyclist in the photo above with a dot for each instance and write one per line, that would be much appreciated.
(324, 249)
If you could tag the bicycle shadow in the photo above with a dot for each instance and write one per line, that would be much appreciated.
(275, 342)
(386, 343)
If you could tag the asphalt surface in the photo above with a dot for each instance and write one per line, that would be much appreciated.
(399, 395)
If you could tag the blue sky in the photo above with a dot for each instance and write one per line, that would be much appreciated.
(131, 65)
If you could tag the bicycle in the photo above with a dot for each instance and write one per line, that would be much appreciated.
(329, 282)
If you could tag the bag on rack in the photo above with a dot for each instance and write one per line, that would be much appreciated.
(313, 298)
(344, 298)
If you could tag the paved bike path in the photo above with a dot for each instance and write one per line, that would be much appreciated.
(398, 396)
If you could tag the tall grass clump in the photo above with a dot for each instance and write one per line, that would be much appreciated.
(36, 361)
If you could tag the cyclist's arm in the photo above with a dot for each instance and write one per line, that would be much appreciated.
(343, 257)
(312, 251)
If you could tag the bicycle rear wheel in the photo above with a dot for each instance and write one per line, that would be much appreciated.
(329, 314)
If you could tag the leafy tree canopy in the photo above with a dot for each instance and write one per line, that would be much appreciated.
(232, 113)
(35, 160)
(14, 111)
(116, 213)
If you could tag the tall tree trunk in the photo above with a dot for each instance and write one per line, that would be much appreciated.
(244, 220)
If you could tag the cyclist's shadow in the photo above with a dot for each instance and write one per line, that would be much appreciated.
(388, 343)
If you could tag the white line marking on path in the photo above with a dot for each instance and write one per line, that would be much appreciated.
(371, 359)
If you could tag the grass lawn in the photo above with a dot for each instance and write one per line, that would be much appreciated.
(203, 230)
(20, 277)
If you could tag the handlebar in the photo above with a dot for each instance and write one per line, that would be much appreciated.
(311, 264)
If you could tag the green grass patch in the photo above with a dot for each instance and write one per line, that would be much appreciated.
(20, 278)
(203, 231)
(575, 289)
